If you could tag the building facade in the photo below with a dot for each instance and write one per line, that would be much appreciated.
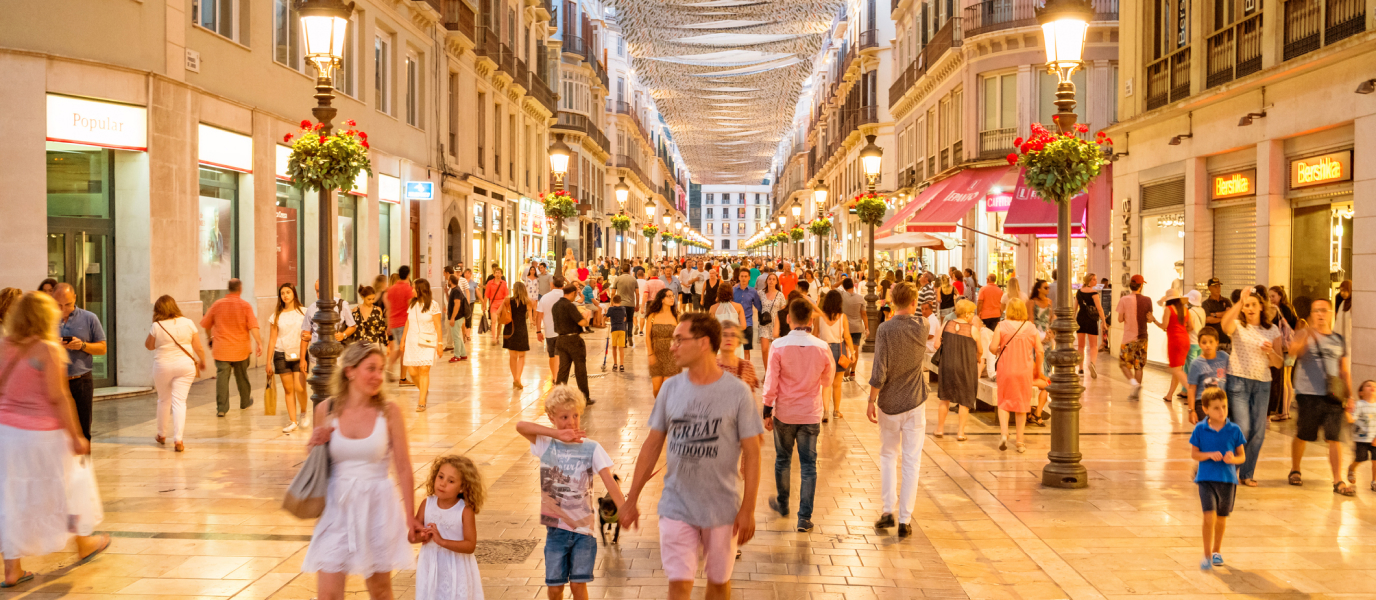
(1246, 134)
(733, 213)
(137, 160)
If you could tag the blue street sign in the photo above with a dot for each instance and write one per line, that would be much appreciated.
(420, 190)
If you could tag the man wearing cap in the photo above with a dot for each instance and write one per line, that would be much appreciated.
(1214, 307)
(1134, 312)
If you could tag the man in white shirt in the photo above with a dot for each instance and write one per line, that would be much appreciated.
(544, 313)
(688, 284)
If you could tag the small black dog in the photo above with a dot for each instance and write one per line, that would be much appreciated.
(607, 515)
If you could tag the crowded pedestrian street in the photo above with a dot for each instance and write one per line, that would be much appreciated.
(207, 523)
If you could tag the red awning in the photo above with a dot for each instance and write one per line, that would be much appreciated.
(949, 205)
(1031, 215)
(892, 225)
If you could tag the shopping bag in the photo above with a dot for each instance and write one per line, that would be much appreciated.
(306, 495)
(84, 510)
(270, 399)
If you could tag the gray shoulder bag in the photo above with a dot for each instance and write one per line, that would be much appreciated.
(305, 497)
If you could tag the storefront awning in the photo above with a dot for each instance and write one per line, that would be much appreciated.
(909, 240)
(950, 204)
(893, 225)
(1029, 214)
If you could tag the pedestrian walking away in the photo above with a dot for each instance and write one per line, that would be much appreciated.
(178, 359)
(231, 325)
(897, 394)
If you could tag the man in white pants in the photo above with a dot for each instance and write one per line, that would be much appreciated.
(897, 392)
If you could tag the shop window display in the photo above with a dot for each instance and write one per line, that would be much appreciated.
(1163, 247)
(1321, 253)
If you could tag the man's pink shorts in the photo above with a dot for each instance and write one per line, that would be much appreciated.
(681, 545)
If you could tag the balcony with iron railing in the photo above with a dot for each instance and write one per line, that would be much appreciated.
(600, 72)
(949, 36)
(438, 5)
(995, 15)
(542, 93)
(506, 60)
(869, 38)
(574, 45)
(522, 74)
(1168, 79)
(1312, 24)
(630, 163)
(582, 124)
(458, 16)
(1233, 52)
(486, 43)
(994, 143)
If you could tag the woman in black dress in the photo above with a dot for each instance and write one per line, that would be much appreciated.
(1088, 314)
(962, 351)
(514, 336)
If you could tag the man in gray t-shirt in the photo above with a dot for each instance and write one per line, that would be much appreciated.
(706, 418)
(853, 306)
(1320, 353)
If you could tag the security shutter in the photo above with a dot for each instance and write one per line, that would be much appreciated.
(1235, 246)
(1163, 195)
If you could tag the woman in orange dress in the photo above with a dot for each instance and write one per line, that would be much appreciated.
(1017, 344)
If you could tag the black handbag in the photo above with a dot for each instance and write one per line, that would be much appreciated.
(1337, 386)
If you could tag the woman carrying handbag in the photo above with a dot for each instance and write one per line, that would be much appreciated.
(174, 367)
(421, 339)
(40, 437)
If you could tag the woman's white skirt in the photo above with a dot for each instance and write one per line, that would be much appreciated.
(33, 491)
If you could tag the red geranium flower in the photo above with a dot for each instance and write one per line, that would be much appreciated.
(319, 126)
(1012, 158)
(1082, 128)
(305, 124)
(365, 144)
(362, 135)
(1100, 134)
(287, 138)
(350, 123)
(1108, 140)
(1017, 142)
(1055, 117)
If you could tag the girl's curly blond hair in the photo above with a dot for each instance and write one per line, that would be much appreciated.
(470, 480)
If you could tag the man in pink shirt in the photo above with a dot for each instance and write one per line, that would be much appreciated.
(800, 365)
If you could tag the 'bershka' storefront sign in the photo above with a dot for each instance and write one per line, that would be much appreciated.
(94, 123)
(1321, 170)
(1234, 185)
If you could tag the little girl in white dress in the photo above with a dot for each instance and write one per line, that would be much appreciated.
(447, 569)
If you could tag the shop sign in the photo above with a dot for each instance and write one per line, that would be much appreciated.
(224, 149)
(389, 189)
(420, 190)
(283, 157)
(78, 121)
(997, 202)
(478, 211)
(496, 217)
(1234, 185)
(1320, 170)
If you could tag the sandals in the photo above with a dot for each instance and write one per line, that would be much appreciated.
(1279, 418)
(1249, 482)
(94, 553)
(1352, 474)
(1295, 478)
(1021, 447)
(420, 408)
(1342, 488)
(162, 441)
(939, 435)
(27, 576)
(961, 438)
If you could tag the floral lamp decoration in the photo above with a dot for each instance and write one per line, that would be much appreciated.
(320, 161)
(796, 234)
(649, 231)
(1059, 167)
(621, 222)
(820, 227)
(869, 208)
(558, 205)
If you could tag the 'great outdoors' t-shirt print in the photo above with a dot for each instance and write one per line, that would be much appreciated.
(693, 437)
(566, 474)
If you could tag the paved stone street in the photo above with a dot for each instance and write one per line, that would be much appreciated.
(206, 524)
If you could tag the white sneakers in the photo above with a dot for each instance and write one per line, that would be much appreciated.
(1136, 392)
(290, 427)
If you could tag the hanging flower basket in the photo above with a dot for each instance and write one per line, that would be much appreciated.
(820, 227)
(327, 162)
(796, 234)
(649, 231)
(559, 205)
(870, 208)
(1059, 167)
(621, 222)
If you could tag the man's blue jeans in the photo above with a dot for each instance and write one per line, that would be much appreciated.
(1247, 402)
(805, 436)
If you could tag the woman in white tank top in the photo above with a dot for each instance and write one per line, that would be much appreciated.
(834, 328)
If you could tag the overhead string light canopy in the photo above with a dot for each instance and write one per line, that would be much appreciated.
(725, 60)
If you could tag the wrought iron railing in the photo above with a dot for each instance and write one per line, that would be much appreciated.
(438, 5)
(582, 124)
(1168, 79)
(506, 60)
(458, 16)
(1303, 27)
(542, 93)
(1233, 52)
(486, 43)
(624, 108)
(996, 142)
(1343, 19)
(574, 45)
(995, 15)
(522, 74)
(627, 162)
(869, 38)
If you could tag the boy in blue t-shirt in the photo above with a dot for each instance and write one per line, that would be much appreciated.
(619, 318)
(1210, 369)
(1217, 444)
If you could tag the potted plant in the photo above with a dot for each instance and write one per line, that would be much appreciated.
(820, 227)
(796, 234)
(621, 222)
(320, 161)
(649, 231)
(558, 205)
(1059, 166)
(869, 208)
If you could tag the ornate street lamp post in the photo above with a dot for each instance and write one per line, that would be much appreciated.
(678, 228)
(324, 24)
(819, 197)
(559, 155)
(623, 192)
(650, 208)
(871, 160)
(1064, 24)
(797, 211)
